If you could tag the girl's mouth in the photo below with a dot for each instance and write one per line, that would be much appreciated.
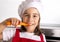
(31, 24)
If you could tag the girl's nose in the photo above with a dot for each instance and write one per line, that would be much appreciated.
(30, 19)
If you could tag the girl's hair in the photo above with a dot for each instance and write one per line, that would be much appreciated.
(37, 30)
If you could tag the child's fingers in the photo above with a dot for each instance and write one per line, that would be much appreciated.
(15, 21)
(12, 21)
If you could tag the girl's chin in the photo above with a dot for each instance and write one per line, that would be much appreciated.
(30, 27)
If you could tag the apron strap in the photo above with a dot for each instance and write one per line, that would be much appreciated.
(16, 38)
(17, 33)
(41, 36)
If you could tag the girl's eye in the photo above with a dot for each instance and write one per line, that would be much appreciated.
(34, 16)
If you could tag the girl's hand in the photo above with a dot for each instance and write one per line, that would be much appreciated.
(13, 21)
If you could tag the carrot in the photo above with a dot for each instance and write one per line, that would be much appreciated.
(21, 23)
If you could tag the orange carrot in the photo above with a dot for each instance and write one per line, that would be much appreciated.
(21, 23)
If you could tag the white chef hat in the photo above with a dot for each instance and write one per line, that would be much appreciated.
(28, 4)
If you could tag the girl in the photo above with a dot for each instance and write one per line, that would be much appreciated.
(29, 11)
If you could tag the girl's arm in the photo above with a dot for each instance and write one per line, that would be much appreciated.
(8, 33)
(2, 27)
(1, 36)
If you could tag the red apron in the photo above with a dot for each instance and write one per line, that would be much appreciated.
(16, 38)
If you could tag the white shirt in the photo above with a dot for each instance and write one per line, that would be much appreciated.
(8, 33)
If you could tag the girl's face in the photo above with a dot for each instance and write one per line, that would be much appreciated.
(31, 16)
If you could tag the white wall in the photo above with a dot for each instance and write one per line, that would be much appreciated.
(9, 8)
(51, 12)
